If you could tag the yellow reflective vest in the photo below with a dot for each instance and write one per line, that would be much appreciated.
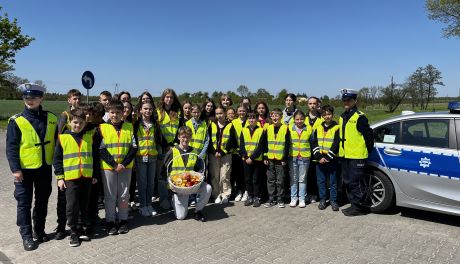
(178, 165)
(77, 158)
(352, 145)
(251, 142)
(300, 144)
(168, 127)
(30, 147)
(238, 125)
(225, 137)
(117, 142)
(325, 140)
(276, 143)
(146, 141)
(198, 135)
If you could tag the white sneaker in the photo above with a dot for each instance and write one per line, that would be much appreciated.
(293, 203)
(245, 196)
(238, 197)
(151, 211)
(302, 204)
(218, 200)
(165, 204)
(224, 200)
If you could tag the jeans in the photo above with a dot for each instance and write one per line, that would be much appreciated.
(323, 173)
(145, 173)
(298, 168)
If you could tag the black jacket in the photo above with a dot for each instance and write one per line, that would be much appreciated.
(333, 151)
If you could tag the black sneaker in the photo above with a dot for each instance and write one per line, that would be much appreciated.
(29, 244)
(269, 203)
(82, 235)
(111, 228)
(60, 232)
(123, 229)
(322, 205)
(256, 202)
(353, 211)
(41, 237)
(199, 216)
(248, 202)
(74, 241)
(334, 206)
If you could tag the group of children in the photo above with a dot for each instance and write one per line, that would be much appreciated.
(114, 147)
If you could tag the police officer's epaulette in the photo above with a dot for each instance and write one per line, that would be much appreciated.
(360, 113)
(14, 117)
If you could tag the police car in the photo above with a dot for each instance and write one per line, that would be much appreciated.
(416, 162)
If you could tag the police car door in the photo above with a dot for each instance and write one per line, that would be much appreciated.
(425, 160)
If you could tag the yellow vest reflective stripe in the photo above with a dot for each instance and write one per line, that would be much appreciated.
(168, 127)
(276, 144)
(30, 147)
(251, 143)
(325, 140)
(198, 136)
(315, 125)
(353, 146)
(77, 159)
(178, 165)
(225, 136)
(117, 143)
(146, 145)
(300, 145)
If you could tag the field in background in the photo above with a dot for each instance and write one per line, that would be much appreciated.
(374, 113)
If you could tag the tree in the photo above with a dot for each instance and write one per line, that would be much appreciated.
(262, 94)
(281, 95)
(432, 77)
(11, 41)
(447, 12)
(393, 95)
(243, 90)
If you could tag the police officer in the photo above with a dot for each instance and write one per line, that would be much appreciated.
(357, 141)
(30, 141)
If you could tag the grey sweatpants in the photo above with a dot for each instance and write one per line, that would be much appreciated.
(180, 202)
(116, 194)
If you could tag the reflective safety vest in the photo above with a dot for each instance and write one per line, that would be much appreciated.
(266, 124)
(325, 140)
(300, 144)
(30, 147)
(146, 141)
(225, 136)
(77, 158)
(67, 124)
(251, 142)
(313, 127)
(168, 127)
(276, 144)
(238, 128)
(178, 165)
(352, 145)
(198, 136)
(117, 142)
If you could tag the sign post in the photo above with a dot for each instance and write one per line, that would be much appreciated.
(87, 79)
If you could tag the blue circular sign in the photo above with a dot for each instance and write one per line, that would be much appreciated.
(87, 79)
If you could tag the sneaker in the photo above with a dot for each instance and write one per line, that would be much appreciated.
(224, 200)
(281, 205)
(133, 206)
(165, 204)
(256, 202)
(302, 204)
(199, 216)
(123, 229)
(82, 235)
(293, 203)
(334, 206)
(248, 202)
(218, 200)
(74, 240)
(40, 237)
(111, 229)
(238, 197)
(313, 199)
(151, 211)
(269, 203)
(245, 196)
(322, 204)
(193, 203)
(60, 232)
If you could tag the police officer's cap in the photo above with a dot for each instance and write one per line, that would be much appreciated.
(349, 94)
(31, 90)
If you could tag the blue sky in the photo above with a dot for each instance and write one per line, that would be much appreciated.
(317, 47)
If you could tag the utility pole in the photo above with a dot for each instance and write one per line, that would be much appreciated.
(116, 85)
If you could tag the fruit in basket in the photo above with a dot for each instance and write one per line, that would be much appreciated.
(185, 179)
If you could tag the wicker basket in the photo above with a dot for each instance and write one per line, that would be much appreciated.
(187, 190)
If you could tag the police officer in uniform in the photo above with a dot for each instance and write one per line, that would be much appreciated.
(30, 142)
(357, 141)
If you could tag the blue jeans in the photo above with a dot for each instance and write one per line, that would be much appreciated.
(145, 180)
(298, 168)
(323, 172)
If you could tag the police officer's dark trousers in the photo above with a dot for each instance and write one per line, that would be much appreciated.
(353, 177)
(36, 181)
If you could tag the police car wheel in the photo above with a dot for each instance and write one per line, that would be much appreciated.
(382, 193)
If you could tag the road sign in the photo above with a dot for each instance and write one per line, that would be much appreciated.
(87, 79)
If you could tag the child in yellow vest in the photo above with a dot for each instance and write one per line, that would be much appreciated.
(74, 165)
(199, 127)
(278, 142)
(237, 176)
(118, 149)
(252, 147)
(325, 145)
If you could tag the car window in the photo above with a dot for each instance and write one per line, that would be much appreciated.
(388, 133)
(426, 132)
